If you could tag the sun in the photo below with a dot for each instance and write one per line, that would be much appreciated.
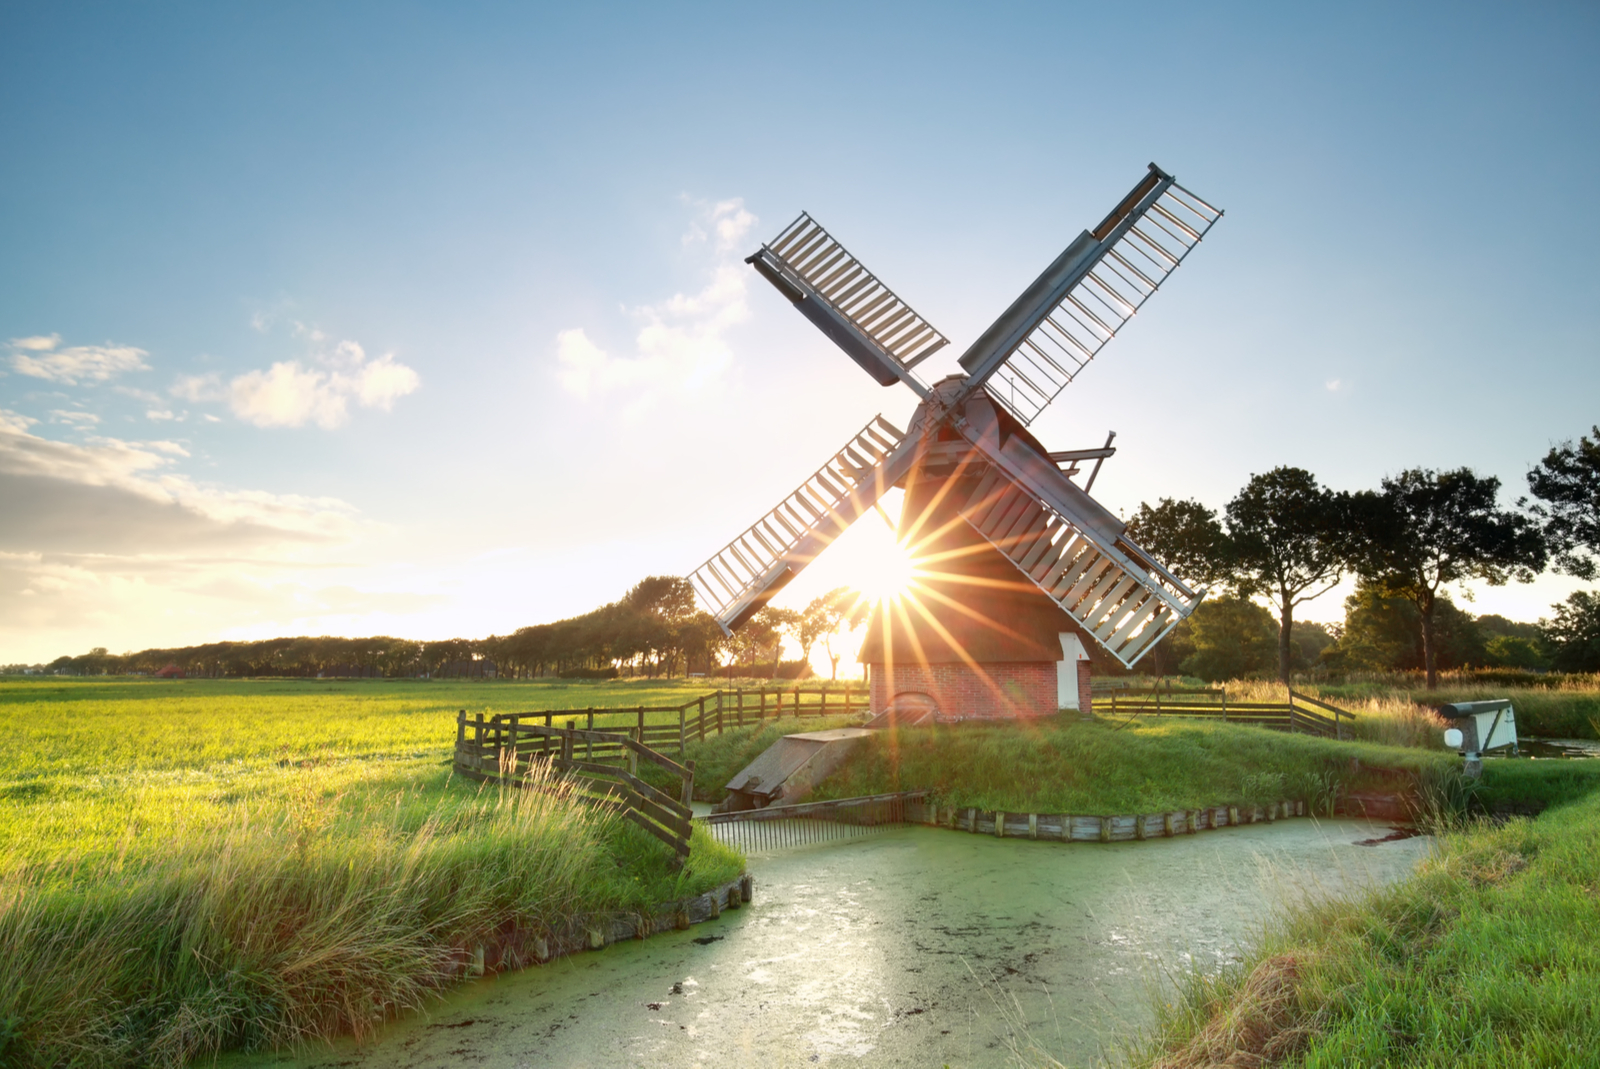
(886, 571)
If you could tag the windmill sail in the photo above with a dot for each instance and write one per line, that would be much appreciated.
(1117, 592)
(737, 581)
(1080, 302)
(1068, 544)
(831, 288)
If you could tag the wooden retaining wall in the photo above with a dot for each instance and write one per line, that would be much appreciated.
(1072, 828)
(516, 948)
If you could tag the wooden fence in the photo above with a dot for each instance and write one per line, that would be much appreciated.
(670, 727)
(603, 764)
(1300, 713)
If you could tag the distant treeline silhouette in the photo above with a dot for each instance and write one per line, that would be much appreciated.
(654, 630)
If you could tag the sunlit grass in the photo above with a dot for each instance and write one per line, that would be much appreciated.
(1064, 765)
(186, 868)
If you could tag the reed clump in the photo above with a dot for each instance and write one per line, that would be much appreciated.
(284, 923)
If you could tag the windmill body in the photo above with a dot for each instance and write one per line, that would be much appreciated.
(1020, 571)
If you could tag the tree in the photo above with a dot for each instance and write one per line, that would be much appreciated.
(1567, 480)
(1232, 638)
(1186, 538)
(1431, 529)
(821, 621)
(1288, 540)
(1383, 633)
(772, 625)
(1574, 634)
(667, 601)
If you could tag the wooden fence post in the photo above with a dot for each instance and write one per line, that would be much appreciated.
(681, 710)
(477, 744)
(688, 783)
(702, 720)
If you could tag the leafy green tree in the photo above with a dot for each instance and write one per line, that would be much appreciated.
(1567, 481)
(1574, 633)
(1289, 540)
(1185, 538)
(1514, 651)
(1431, 529)
(1383, 633)
(1232, 638)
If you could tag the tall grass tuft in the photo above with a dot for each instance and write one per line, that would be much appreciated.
(291, 923)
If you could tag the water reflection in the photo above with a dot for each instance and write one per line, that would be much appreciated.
(915, 947)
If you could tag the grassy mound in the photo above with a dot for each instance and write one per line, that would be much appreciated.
(1066, 765)
(1489, 956)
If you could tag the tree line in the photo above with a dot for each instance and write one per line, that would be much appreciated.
(1285, 539)
(654, 630)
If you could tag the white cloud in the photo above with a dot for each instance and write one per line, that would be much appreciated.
(1332, 385)
(681, 343)
(41, 358)
(292, 393)
(141, 475)
(197, 388)
(287, 395)
(74, 419)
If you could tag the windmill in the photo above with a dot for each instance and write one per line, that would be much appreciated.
(980, 489)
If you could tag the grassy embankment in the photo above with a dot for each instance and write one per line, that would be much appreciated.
(194, 866)
(1489, 956)
(1151, 764)
(1065, 765)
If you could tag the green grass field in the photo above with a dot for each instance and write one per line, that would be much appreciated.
(194, 866)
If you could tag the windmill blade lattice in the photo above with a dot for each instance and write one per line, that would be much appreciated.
(739, 579)
(848, 302)
(1126, 607)
(1109, 273)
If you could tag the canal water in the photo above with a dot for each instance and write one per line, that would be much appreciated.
(913, 947)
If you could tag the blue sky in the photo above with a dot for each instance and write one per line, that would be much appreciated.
(431, 319)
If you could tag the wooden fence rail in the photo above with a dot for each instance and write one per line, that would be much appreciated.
(671, 727)
(604, 765)
(1300, 713)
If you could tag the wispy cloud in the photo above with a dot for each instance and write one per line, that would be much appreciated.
(292, 393)
(680, 342)
(74, 419)
(42, 358)
(137, 478)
